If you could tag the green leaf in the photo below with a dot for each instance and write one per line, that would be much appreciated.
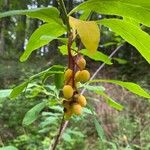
(8, 148)
(51, 30)
(99, 129)
(55, 69)
(126, 8)
(46, 14)
(33, 114)
(63, 49)
(132, 34)
(132, 21)
(52, 70)
(85, 15)
(110, 101)
(63, 40)
(67, 138)
(120, 61)
(59, 80)
(97, 56)
(93, 88)
(5, 93)
(132, 87)
(18, 89)
(86, 110)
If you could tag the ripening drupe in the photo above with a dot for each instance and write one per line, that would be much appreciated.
(76, 73)
(81, 100)
(76, 109)
(81, 62)
(84, 75)
(68, 74)
(77, 76)
(67, 91)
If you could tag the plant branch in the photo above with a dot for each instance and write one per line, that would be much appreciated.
(65, 123)
(61, 129)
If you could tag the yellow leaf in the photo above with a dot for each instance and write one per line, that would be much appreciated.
(88, 32)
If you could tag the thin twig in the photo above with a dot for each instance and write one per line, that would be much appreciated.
(63, 124)
(101, 66)
(58, 135)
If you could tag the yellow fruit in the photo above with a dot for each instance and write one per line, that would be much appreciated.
(81, 100)
(67, 91)
(77, 76)
(84, 75)
(81, 62)
(76, 109)
(68, 74)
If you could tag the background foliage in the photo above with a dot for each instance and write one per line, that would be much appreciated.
(127, 129)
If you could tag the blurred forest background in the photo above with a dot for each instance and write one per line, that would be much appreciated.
(128, 128)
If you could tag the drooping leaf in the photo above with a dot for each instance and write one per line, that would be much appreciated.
(88, 32)
(110, 101)
(138, 10)
(93, 88)
(132, 34)
(46, 14)
(33, 114)
(55, 69)
(51, 30)
(52, 70)
(132, 87)
(18, 89)
(8, 148)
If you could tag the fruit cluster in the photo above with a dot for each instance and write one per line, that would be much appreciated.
(74, 101)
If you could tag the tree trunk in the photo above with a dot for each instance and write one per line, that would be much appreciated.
(20, 33)
(2, 39)
(21, 28)
(3, 27)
